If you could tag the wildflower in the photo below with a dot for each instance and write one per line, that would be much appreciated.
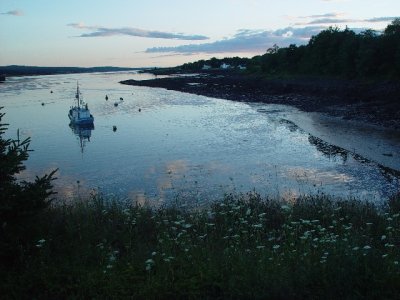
(260, 247)
(384, 255)
(367, 247)
(112, 258)
(248, 212)
(257, 225)
(149, 264)
(285, 207)
(383, 237)
(396, 262)
(356, 248)
(396, 215)
(389, 228)
(40, 243)
(261, 215)
(187, 226)
(109, 266)
(275, 247)
(389, 219)
(368, 223)
(153, 253)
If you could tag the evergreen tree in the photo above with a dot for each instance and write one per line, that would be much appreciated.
(20, 202)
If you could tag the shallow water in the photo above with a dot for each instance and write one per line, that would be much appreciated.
(179, 145)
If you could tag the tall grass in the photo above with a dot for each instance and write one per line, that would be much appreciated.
(241, 247)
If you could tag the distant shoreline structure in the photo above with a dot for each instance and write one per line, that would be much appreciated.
(17, 70)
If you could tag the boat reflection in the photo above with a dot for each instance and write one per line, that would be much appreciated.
(83, 132)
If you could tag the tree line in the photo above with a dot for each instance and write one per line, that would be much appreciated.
(332, 53)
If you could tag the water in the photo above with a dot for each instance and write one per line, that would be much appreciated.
(178, 145)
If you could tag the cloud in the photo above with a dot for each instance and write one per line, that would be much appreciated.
(327, 15)
(17, 13)
(97, 31)
(247, 41)
(333, 18)
(328, 21)
(381, 19)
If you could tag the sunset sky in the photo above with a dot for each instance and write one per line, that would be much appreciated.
(138, 33)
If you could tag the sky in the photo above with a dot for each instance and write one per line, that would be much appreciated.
(161, 33)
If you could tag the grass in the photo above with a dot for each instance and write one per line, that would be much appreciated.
(241, 247)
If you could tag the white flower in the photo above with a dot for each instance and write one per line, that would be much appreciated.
(275, 247)
(383, 237)
(356, 248)
(40, 243)
(285, 207)
(149, 262)
(367, 247)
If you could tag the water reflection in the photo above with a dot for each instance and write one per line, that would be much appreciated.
(83, 132)
(333, 152)
(328, 150)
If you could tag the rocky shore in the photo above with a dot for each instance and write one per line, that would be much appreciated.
(375, 103)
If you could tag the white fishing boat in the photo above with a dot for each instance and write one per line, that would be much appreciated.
(80, 114)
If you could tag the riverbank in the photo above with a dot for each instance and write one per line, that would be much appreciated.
(374, 103)
(240, 247)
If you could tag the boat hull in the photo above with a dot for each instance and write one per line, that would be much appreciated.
(88, 121)
(79, 116)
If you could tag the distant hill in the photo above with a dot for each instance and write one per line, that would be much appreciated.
(15, 70)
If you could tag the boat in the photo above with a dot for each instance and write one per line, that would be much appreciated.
(80, 114)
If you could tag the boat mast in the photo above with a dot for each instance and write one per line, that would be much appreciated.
(77, 96)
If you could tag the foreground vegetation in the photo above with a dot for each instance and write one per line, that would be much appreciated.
(241, 247)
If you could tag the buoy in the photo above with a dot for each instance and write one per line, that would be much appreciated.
(51, 92)
(106, 97)
(42, 103)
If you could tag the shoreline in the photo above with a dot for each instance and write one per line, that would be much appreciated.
(373, 103)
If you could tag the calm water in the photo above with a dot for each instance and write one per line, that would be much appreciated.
(184, 145)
